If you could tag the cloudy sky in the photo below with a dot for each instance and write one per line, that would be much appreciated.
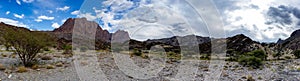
(262, 20)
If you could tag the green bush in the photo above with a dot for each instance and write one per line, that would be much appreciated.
(259, 54)
(250, 61)
(297, 53)
(27, 44)
(137, 52)
(67, 49)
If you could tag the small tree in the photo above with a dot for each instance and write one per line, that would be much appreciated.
(297, 53)
(27, 44)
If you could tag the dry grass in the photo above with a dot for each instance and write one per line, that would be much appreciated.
(59, 64)
(50, 66)
(46, 58)
(2, 67)
(34, 67)
(22, 69)
(3, 55)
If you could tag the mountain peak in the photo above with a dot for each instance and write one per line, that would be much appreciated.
(70, 23)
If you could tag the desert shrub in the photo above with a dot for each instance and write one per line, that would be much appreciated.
(287, 57)
(22, 69)
(46, 57)
(27, 44)
(67, 49)
(297, 53)
(170, 54)
(59, 64)
(205, 57)
(137, 52)
(250, 78)
(34, 66)
(259, 78)
(46, 49)
(259, 54)
(50, 66)
(3, 55)
(2, 67)
(250, 61)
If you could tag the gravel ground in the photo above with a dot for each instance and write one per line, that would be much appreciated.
(101, 66)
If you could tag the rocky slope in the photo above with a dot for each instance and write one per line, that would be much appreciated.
(292, 42)
(82, 29)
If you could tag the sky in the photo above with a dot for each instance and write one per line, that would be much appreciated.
(261, 20)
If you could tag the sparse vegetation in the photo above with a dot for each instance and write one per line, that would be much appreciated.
(46, 58)
(67, 49)
(259, 54)
(297, 53)
(250, 61)
(27, 44)
(205, 57)
(34, 66)
(250, 78)
(50, 66)
(137, 52)
(22, 69)
(2, 67)
(59, 64)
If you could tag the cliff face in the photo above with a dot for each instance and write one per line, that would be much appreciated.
(86, 31)
(83, 27)
(292, 42)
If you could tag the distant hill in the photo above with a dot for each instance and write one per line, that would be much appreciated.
(293, 42)
(83, 28)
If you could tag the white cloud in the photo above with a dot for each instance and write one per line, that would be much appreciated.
(50, 11)
(7, 12)
(76, 12)
(38, 20)
(19, 16)
(63, 21)
(55, 25)
(251, 21)
(43, 17)
(171, 19)
(63, 8)
(18, 2)
(27, 1)
(35, 11)
(13, 22)
(88, 16)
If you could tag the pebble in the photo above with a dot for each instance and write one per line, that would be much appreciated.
(9, 76)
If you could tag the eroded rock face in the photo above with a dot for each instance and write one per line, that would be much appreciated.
(120, 36)
(292, 42)
(82, 27)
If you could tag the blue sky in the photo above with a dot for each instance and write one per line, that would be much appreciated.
(261, 20)
(27, 12)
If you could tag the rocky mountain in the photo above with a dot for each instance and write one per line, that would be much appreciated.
(84, 30)
(236, 44)
(82, 26)
(292, 42)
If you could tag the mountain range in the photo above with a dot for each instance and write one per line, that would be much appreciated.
(238, 43)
